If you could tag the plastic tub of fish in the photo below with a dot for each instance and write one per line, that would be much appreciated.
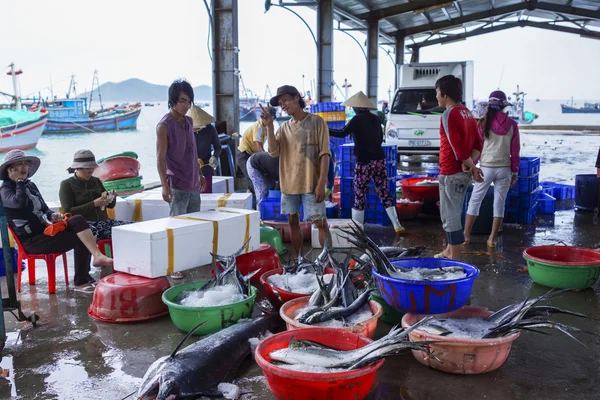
(122, 298)
(264, 259)
(278, 295)
(288, 384)
(364, 327)
(563, 267)
(421, 189)
(461, 355)
(186, 317)
(408, 209)
(444, 292)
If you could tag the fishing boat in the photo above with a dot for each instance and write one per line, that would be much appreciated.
(588, 108)
(517, 111)
(20, 129)
(72, 115)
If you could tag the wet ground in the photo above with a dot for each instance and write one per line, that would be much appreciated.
(70, 356)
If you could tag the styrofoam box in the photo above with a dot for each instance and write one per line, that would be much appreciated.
(142, 248)
(122, 212)
(148, 206)
(222, 184)
(338, 237)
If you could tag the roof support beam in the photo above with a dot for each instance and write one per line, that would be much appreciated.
(568, 9)
(325, 51)
(447, 14)
(458, 8)
(402, 8)
(505, 26)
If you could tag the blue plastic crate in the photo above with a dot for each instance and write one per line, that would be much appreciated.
(528, 200)
(529, 166)
(347, 193)
(347, 169)
(526, 184)
(526, 217)
(433, 173)
(13, 253)
(377, 217)
(332, 210)
(346, 152)
(512, 200)
(336, 125)
(546, 204)
(270, 210)
(346, 212)
(559, 191)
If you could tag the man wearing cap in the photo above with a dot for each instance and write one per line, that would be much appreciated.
(303, 146)
(207, 139)
(370, 158)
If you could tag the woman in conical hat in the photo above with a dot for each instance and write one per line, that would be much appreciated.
(370, 158)
(206, 138)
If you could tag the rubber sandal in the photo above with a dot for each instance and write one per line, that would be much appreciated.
(88, 288)
(491, 246)
(177, 275)
(400, 230)
(440, 255)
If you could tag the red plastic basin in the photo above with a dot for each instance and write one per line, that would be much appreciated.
(120, 298)
(366, 328)
(563, 255)
(411, 191)
(265, 258)
(337, 198)
(295, 385)
(117, 168)
(408, 210)
(284, 229)
(461, 356)
(278, 296)
(336, 184)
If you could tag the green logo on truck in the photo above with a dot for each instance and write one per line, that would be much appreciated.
(419, 132)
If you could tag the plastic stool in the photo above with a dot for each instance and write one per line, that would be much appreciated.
(105, 247)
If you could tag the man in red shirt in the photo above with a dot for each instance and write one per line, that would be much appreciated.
(460, 144)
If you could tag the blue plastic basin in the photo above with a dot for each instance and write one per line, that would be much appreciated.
(425, 297)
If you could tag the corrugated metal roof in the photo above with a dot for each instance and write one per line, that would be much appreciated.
(428, 22)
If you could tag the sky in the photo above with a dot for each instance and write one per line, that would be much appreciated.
(159, 41)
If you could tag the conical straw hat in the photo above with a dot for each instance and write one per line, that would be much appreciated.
(200, 117)
(359, 100)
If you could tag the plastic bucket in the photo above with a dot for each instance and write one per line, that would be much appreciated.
(563, 267)
(587, 192)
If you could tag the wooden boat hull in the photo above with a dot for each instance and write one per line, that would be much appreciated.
(22, 136)
(116, 122)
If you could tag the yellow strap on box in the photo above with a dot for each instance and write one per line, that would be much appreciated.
(222, 202)
(137, 211)
(247, 233)
(170, 251)
(111, 213)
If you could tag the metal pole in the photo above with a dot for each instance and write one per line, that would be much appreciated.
(15, 87)
(324, 51)
(399, 58)
(372, 59)
(415, 55)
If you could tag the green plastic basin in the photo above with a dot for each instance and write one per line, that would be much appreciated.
(390, 315)
(563, 267)
(272, 236)
(122, 185)
(218, 317)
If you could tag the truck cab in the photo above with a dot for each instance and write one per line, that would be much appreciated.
(413, 121)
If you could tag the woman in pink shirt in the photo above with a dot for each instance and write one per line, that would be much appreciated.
(499, 162)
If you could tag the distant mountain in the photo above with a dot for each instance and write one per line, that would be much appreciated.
(138, 90)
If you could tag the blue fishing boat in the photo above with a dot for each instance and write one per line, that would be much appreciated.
(72, 116)
(588, 108)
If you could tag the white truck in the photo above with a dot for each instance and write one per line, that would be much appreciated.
(413, 120)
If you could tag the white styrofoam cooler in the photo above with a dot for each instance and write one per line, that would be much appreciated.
(222, 184)
(337, 237)
(160, 247)
(148, 206)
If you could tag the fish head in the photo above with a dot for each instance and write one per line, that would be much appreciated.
(168, 390)
(152, 381)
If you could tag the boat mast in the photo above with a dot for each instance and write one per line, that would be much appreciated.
(95, 81)
(14, 74)
(72, 86)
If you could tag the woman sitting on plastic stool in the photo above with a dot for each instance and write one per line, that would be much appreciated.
(499, 162)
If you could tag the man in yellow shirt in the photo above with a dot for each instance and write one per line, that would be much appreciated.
(303, 146)
(252, 142)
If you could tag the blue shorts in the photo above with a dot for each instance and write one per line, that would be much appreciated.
(290, 204)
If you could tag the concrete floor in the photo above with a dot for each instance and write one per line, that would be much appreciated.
(70, 356)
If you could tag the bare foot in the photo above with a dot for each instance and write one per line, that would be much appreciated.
(100, 260)
(491, 244)
(467, 239)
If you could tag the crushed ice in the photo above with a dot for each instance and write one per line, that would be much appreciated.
(431, 274)
(217, 296)
(303, 282)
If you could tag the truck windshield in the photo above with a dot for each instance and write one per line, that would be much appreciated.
(420, 101)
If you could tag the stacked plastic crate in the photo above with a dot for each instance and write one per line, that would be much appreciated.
(522, 200)
(335, 116)
(560, 192)
(374, 210)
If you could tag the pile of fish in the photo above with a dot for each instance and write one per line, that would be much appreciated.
(310, 356)
(379, 258)
(227, 287)
(522, 315)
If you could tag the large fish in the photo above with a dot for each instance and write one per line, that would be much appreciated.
(198, 369)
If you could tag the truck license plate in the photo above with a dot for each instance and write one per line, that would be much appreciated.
(419, 143)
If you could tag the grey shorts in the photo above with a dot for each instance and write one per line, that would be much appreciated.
(453, 190)
(290, 204)
(184, 202)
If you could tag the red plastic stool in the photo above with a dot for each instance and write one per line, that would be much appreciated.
(50, 264)
(105, 247)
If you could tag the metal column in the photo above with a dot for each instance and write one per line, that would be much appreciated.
(225, 63)
(415, 55)
(399, 58)
(372, 59)
(324, 51)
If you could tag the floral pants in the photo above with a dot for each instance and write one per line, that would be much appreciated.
(363, 174)
(103, 229)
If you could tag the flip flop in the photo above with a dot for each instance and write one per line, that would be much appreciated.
(490, 245)
(88, 288)
(177, 275)
(440, 255)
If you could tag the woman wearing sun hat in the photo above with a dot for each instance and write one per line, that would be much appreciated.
(370, 159)
(85, 195)
(206, 137)
(26, 212)
(499, 162)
